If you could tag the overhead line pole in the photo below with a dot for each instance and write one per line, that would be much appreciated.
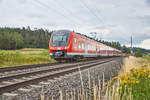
(131, 46)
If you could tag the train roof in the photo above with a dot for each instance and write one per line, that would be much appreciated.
(64, 30)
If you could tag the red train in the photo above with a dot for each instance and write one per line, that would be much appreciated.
(65, 44)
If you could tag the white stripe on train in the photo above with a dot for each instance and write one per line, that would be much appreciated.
(84, 54)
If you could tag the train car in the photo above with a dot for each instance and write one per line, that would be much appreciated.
(65, 44)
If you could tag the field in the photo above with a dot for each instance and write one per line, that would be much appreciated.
(24, 57)
(147, 57)
(133, 82)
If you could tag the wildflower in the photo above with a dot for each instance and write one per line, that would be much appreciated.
(121, 76)
(148, 76)
(110, 82)
(132, 70)
(115, 78)
(105, 84)
(118, 89)
(136, 81)
(129, 89)
(123, 82)
(132, 82)
(132, 78)
(148, 70)
(144, 66)
(126, 77)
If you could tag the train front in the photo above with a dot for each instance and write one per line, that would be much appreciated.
(59, 44)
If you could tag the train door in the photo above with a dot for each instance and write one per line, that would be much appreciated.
(86, 47)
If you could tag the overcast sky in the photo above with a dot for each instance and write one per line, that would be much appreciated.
(113, 20)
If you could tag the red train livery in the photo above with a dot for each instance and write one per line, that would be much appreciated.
(65, 44)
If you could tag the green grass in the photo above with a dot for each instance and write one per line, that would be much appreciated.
(147, 57)
(24, 57)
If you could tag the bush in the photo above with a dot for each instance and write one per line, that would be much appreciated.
(138, 53)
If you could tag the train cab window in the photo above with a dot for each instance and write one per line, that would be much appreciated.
(75, 40)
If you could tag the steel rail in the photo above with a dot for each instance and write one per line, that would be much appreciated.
(24, 74)
(16, 85)
(14, 68)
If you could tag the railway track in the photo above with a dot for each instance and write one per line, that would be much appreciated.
(12, 82)
(15, 68)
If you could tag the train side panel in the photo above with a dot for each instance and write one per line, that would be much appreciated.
(79, 46)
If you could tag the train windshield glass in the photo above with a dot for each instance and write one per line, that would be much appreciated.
(60, 38)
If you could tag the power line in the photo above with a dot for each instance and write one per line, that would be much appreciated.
(91, 11)
(69, 12)
(56, 11)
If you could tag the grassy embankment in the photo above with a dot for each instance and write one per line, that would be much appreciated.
(132, 83)
(24, 57)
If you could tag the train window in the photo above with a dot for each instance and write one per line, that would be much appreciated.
(75, 40)
(88, 47)
(82, 45)
(79, 45)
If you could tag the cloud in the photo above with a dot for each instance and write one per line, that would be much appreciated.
(22, 1)
(144, 44)
(121, 18)
(148, 2)
(1, 1)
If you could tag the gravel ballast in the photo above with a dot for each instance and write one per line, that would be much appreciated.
(68, 82)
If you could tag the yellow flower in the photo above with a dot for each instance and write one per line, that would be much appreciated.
(115, 78)
(132, 78)
(148, 70)
(121, 76)
(129, 89)
(132, 70)
(136, 81)
(126, 77)
(133, 81)
(110, 82)
(105, 84)
(148, 76)
(123, 82)
(144, 66)
(119, 88)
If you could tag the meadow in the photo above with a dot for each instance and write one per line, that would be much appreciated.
(133, 81)
(24, 57)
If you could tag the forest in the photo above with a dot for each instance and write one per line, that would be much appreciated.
(17, 38)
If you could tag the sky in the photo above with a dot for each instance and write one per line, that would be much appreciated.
(113, 20)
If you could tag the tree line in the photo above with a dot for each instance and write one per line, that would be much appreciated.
(17, 38)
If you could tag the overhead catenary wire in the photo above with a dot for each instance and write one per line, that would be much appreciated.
(91, 11)
(56, 11)
(70, 13)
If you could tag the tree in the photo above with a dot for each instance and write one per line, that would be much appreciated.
(138, 53)
(16, 40)
(5, 40)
